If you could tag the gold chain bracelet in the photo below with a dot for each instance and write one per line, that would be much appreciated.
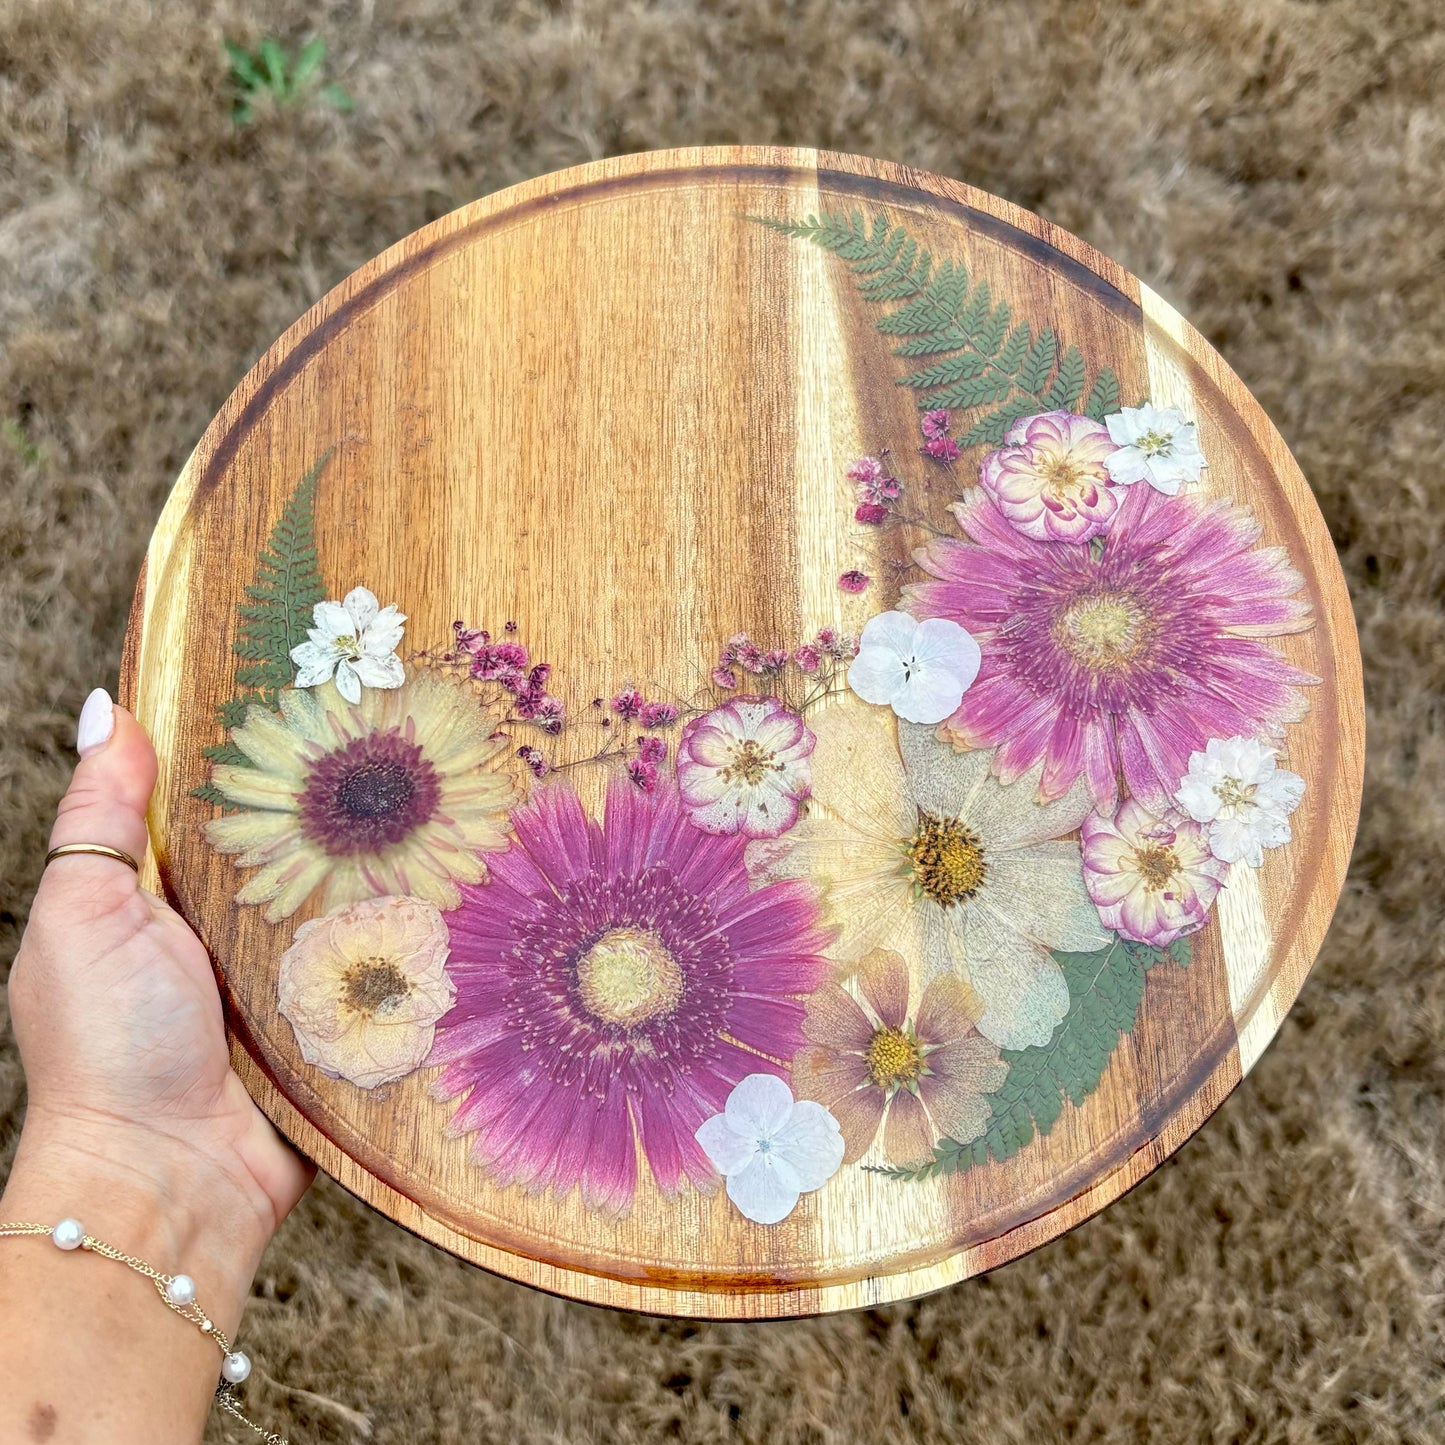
(177, 1292)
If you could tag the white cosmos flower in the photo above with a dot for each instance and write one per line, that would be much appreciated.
(919, 669)
(770, 1148)
(1242, 796)
(923, 851)
(1156, 445)
(354, 640)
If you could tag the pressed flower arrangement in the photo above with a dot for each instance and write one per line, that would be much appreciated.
(861, 892)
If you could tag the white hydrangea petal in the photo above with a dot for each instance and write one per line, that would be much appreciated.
(361, 606)
(812, 1143)
(891, 630)
(876, 675)
(726, 1149)
(759, 1106)
(931, 694)
(764, 1190)
(945, 644)
(348, 684)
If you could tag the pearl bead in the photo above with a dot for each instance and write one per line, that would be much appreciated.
(235, 1367)
(181, 1290)
(68, 1234)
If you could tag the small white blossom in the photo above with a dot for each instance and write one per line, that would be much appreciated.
(919, 669)
(771, 1149)
(1156, 445)
(354, 640)
(1244, 799)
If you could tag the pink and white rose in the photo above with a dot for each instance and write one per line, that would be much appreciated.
(743, 768)
(1050, 480)
(1152, 879)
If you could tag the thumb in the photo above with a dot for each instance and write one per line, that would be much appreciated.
(107, 798)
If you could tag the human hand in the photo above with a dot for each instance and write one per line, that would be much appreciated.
(132, 1100)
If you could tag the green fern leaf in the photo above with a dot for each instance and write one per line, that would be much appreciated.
(958, 366)
(990, 338)
(991, 430)
(1015, 349)
(1038, 363)
(942, 314)
(282, 599)
(977, 312)
(929, 344)
(1068, 385)
(976, 391)
(1104, 396)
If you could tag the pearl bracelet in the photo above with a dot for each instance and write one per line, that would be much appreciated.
(177, 1292)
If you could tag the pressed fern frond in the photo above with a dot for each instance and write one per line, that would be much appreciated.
(990, 362)
(274, 619)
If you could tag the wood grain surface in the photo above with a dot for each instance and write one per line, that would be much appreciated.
(610, 405)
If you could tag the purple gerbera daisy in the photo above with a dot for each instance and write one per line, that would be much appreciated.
(613, 984)
(1122, 657)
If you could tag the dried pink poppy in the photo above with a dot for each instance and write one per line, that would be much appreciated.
(743, 768)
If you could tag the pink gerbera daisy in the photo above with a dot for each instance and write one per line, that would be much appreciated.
(1122, 657)
(613, 984)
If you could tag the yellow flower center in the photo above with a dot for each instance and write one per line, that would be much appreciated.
(628, 977)
(1105, 631)
(894, 1058)
(1157, 866)
(373, 986)
(750, 763)
(1154, 444)
(947, 860)
(1233, 793)
(1062, 475)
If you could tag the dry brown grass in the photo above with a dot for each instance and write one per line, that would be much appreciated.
(1276, 167)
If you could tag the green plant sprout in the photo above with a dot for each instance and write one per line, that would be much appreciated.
(14, 433)
(270, 71)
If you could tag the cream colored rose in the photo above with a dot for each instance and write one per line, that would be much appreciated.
(364, 986)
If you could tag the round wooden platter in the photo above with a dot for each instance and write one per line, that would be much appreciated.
(615, 409)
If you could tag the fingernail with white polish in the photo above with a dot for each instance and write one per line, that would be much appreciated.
(97, 722)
